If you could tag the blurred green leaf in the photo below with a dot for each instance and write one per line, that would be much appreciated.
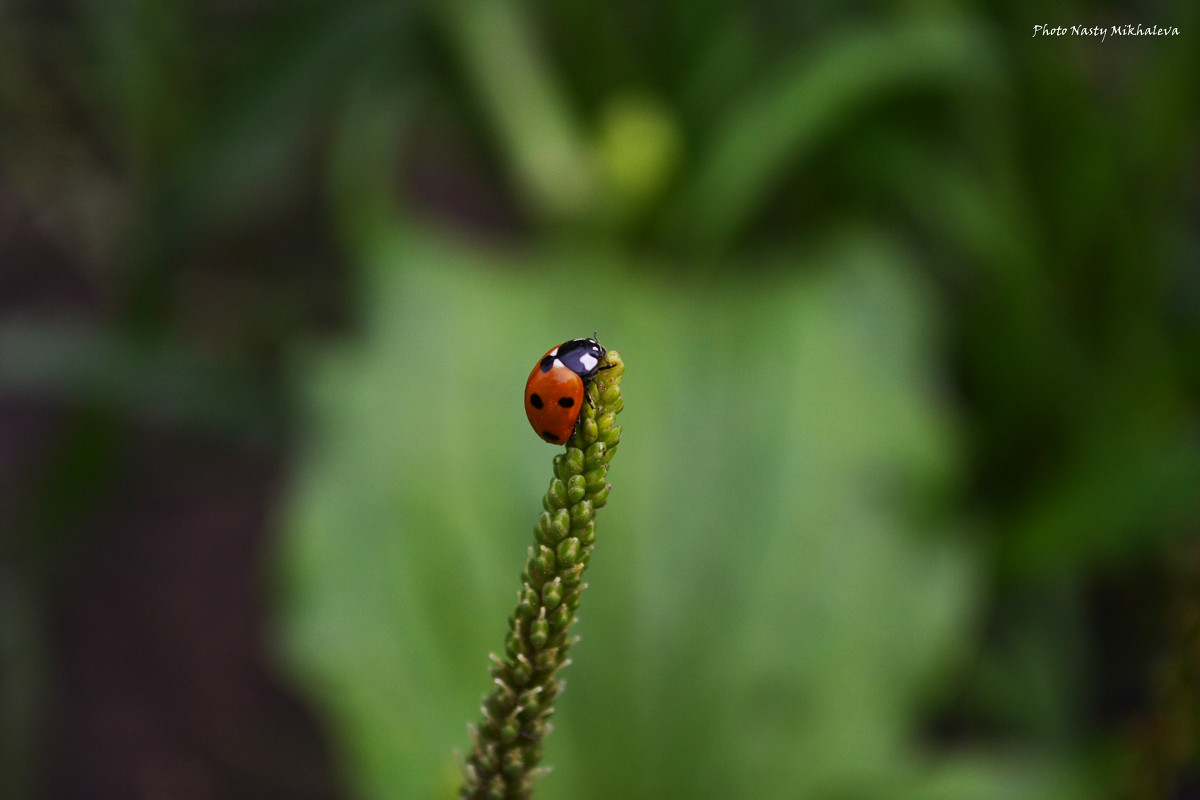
(529, 112)
(771, 598)
(783, 123)
(1135, 482)
(272, 103)
(75, 366)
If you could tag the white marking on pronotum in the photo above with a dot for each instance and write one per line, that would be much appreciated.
(589, 361)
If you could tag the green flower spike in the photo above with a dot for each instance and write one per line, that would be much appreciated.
(506, 747)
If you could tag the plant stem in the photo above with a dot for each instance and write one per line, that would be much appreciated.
(506, 747)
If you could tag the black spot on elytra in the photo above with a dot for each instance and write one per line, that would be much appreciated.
(547, 363)
(535, 401)
(549, 437)
(566, 402)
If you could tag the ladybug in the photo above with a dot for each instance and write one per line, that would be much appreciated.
(554, 393)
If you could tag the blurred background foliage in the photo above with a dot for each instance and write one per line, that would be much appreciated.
(906, 504)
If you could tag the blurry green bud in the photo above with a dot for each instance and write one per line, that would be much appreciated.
(539, 631)
(640, 145)
(543, 530)
(570, 577)
(512, 643)
(588, 429)
(499, 667)
(545, 660)
(504, 694)
(527, 601)
(595, 453)
(556, 495)
(544, 561)
(531, 754)
(573, 463)
(514, 763)
(560, 617)
(552, 593)
(490, 756)
(568, 553)
(471, 781)
(521, 671)
(576, 489)
(581, 514)
(611, 437)
(560, 524)
(595, 478)
(530, 705)
(538, 728)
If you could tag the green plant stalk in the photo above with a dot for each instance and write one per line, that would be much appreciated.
(506, 747)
